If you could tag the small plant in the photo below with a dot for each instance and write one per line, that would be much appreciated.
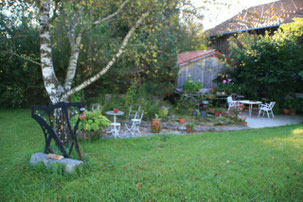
(163, 112)
(156, 117)
(191, 124)
(218, 110)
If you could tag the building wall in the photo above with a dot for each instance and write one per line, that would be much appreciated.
(204, 70)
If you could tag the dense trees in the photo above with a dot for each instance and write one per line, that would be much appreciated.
(86, 39)
(268, 66)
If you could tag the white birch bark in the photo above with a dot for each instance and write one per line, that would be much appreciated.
(75, 45)
(111, 62)
(52, 86)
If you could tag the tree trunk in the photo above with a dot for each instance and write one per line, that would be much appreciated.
(52, 86)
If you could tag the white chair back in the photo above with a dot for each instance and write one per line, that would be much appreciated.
(271, 105)
(229, 99)
(139, 115)
(133, 109)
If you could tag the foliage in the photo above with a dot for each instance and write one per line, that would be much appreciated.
(226, 84)
(191, 124)
(268, 66)
(159, 167)
(191, 86)
(21, 83)
(163, 112)
(236, 112)
(93, 121)
(186, 105)
(294, 104)
(218, 109)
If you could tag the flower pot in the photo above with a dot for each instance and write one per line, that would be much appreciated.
(217, 114)
(116, 110)
(286, 111)
(82, 116)
(182, 120)
(155, 125)
(189, 129)
(244, 123)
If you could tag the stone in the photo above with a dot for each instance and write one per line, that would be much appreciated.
(69, 164)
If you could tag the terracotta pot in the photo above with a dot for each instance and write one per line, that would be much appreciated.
(189, 129)
(182, 120)
(286, 111)
(217, 114)
(155, 125)
(82, 116)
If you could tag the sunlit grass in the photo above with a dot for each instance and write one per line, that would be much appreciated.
(253, 165)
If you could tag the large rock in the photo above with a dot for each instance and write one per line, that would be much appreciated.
(69, 164)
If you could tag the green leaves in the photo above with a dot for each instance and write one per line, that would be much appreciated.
(269, 66)
(93, 121)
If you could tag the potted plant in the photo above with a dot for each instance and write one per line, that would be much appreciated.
(217, 112)
(163, 112)
(190, 126)
(181, 120)
(286, 107)
(242, 121)
(295, 105)
(89, 128)
(156, 124)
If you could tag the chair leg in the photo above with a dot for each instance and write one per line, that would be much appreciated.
(267, 114)
(259, 113)
(272, 113)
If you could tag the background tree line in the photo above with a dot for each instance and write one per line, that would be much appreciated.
(149, 60)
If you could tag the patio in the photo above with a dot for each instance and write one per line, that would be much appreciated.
(279, 120)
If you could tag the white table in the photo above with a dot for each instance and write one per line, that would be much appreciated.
(250, 103)
(115, 127)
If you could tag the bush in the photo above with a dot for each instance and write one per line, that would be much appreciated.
(190, 86)
(93, 122)
(268, 66)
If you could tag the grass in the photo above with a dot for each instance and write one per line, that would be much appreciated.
(251, 165)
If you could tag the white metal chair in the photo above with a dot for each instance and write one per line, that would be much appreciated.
(133, 109)
(134, 125)
(231, 103)
(267, 108)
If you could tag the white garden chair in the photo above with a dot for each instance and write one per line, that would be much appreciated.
(231, 103)
(133, 109)
(267, 108)
(134, 125)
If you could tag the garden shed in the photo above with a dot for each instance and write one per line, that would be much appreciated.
(202, 66)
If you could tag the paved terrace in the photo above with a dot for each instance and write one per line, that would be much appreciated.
(279, 120)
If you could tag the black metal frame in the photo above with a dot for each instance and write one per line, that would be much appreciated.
(48, 130)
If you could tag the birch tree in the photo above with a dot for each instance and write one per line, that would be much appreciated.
(62, 91)
(80, 17)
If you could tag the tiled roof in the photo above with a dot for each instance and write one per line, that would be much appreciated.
(266, 15)
(190, 56)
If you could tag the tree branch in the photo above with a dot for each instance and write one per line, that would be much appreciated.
(108, 66)
(54, 12)
(101, 20)
(24, 58)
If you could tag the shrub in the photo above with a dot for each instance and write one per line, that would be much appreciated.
(93, 122)
(268, 66)
(190, 86)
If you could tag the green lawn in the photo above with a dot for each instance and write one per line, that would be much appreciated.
(254, 165)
